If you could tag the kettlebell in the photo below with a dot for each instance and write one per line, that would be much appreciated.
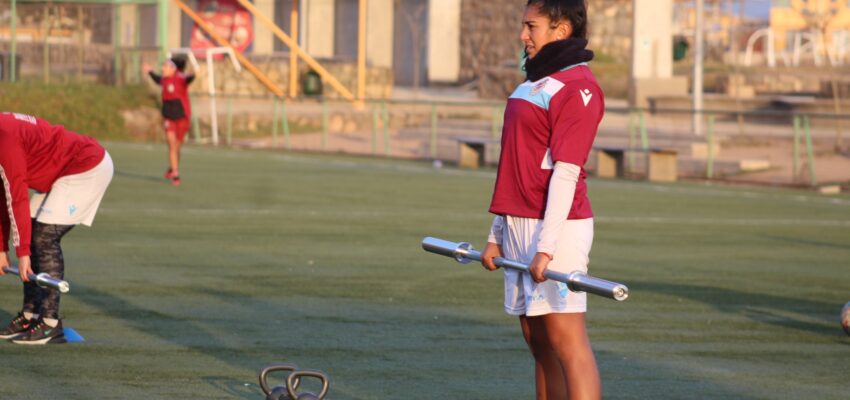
(294, 378)
(278, 392)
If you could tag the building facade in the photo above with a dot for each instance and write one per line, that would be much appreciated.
(829, 18)
(424, 42)
(418, 39)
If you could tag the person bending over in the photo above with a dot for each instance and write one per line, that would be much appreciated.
(69, 173)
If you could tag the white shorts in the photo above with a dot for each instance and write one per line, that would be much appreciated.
(73, 199)
(519, 242)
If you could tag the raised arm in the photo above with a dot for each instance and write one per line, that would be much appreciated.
(156, 78)
(147, 69)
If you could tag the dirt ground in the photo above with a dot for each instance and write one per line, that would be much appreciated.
(830, 167)
(765, 146)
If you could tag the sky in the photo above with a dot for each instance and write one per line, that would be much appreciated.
(754, 9)
(759, 9)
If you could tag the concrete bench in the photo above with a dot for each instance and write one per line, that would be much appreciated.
(661, 163)
(472, 150)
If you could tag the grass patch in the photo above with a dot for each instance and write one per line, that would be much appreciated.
(90, 109)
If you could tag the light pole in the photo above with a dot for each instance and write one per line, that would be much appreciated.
(698, 57)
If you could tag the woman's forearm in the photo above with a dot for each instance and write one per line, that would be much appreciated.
(562, 188)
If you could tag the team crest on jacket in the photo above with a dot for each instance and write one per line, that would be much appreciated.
(170, 88)
(538, 87)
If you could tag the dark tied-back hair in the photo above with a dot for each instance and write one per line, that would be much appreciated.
(179, 61)
(574, 11)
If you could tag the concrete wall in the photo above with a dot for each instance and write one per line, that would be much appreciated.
(175, 17)
(652, 60)
(610, 24)
(653, 39)
(489, 36)
(263, 37)
(317, 27)
(128, 17)
(229, 82)
(379, 33)
(444, 40)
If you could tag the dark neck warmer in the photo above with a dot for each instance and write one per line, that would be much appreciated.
(556, 56)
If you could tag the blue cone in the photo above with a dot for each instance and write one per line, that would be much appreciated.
(72, 336)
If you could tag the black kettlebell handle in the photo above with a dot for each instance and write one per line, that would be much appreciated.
(307, 373)
(264, 375)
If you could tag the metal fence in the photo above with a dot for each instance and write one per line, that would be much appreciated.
(772, 147)
(60, 40)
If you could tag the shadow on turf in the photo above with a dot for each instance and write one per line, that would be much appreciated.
(195, 337)
(175, 330)
(758, 307)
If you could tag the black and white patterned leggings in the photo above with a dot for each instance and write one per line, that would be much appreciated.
(46, 257)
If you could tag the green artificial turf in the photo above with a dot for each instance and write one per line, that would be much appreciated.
(263, 257)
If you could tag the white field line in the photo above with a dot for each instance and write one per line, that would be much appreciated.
(722, 221)
(394, 166)
(715, 191)
(604, 219)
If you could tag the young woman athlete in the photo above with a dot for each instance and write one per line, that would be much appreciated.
(176, 109)
(543, 215)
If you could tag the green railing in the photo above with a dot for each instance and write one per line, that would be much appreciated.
(379, 128)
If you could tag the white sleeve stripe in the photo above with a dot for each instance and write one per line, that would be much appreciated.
(16, 237)
(538, 93)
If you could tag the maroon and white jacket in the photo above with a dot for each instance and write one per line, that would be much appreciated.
(550, 120)
(33, 155)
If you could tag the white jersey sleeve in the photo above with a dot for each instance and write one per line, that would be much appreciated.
(562, 189)
(496, 230)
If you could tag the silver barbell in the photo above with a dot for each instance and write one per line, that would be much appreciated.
(576, 281)
(43, 280)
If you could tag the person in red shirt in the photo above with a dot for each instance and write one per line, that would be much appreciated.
(69, 173)
(176, 109)
(542, 213)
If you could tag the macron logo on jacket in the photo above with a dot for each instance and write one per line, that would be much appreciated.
(586, 96)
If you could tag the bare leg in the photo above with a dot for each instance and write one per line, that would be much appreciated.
(568, 339)
(173, 152)
(548, 373)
